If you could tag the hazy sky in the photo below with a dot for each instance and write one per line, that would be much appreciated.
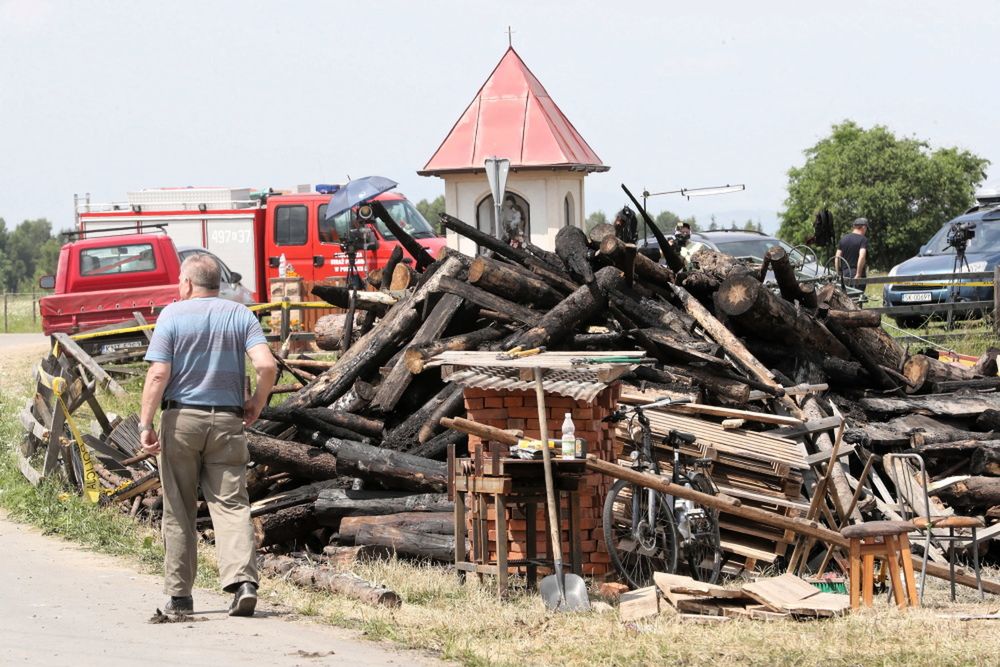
(105, 97)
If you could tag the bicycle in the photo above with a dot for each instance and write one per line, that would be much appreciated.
(649, 531)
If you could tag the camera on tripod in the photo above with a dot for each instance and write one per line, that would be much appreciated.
(960, 234)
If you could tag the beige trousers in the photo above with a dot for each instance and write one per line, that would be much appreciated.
(210, 450)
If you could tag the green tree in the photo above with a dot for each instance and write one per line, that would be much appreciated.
(904, 189)
(594, 219)
(432, 210)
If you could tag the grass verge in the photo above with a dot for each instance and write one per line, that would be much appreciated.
(469, 625)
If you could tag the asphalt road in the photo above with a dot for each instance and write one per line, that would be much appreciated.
(61, 605)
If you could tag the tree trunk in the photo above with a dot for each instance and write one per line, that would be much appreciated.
(485, 299)
(504, 280)
(486, 433)
(853, 319)
(408, 542)
(728, 389)
(438, 523)
(374, 348)
(404, 436)
(880, 346)
(340, 295)
(325, 579)
(395, 257)
(986, 365)
(620, 255)
(985, 461)
(727, 340)
(453, 404)
(288, 525)
(398, 380)
(395, 470)
(942, 405)
(329, 330)
(989, 420)
(539, 266)
(403, 277)
(363, 425)
(976, 384)
(788, 282)
(755, 309)
(300, 460)
(920, 370)
(572, 248)
(335, 504)
(975, 493)
(583, 304)
(416, 355)
(437, 447)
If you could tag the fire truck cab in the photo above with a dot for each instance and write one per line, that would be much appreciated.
(251, 231)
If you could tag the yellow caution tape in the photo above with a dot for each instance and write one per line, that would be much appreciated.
(91, 484)
(948, 283)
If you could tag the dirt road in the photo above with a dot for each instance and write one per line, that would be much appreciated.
(62, 605)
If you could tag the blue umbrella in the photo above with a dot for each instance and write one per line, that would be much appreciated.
(357, 192)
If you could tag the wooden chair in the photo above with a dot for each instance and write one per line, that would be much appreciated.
(885, 540)
(909, 476)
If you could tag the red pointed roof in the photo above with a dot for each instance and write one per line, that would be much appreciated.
(512, 116)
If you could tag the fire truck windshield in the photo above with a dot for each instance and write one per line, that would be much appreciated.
(401, 210)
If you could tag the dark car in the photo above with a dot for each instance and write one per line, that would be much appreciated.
(938, 256)
(752, 245)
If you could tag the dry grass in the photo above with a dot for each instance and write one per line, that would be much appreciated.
(470, 625)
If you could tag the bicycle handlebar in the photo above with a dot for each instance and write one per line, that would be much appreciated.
(620, 414)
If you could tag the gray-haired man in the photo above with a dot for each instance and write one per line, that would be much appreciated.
(196, 375)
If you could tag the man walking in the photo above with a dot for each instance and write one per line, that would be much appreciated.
(196, 375)
(853, 248)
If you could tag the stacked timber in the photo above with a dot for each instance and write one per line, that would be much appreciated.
(352, 462)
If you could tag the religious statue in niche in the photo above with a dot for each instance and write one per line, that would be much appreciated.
(514, 222)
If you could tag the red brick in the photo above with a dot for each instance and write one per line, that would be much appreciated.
(600, 557)
(494, 401)
(523, 412)
(612, 590)
(513, 401)
(474, 404)
(516, 423)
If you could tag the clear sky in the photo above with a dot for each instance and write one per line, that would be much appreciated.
(106, 97)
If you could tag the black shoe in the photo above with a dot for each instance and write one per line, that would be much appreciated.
(179, 605)
(245, 600)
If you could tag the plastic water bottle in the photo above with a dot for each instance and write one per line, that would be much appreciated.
(568, 439)
(282, 266)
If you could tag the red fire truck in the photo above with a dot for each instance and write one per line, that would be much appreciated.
(252, 232)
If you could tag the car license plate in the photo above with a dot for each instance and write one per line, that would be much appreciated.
(124, 345)
(917, 297)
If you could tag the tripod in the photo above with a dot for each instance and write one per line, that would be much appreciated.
(960, 264)
(354, 238)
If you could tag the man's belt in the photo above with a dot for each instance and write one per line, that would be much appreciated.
(177, 405)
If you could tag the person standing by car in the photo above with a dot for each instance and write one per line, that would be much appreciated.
(853, 249)
(197, 366)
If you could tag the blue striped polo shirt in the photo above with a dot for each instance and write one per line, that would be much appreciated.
(205, 342)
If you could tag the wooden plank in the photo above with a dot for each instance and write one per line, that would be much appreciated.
(640, 603)
(764, 418)
(70, 348)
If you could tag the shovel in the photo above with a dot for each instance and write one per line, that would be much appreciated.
(560, 592)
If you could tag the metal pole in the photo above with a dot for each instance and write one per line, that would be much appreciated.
(996, 299)
(5, 311)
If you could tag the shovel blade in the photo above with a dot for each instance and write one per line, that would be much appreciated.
(571, 596)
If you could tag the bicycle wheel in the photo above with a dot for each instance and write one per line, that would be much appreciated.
(700, 550)
(637, 547)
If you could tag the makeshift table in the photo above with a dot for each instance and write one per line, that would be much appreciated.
(510, 483)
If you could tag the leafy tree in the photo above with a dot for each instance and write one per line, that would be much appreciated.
(26, 253)
(594, 219)
(667, 221)
(904, 189)
(432, 210)
(713, 226)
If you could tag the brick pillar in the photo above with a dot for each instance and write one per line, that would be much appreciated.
(519, 410)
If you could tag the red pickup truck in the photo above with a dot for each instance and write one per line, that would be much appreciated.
(103, 280)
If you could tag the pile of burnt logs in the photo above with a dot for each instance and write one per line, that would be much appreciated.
(353, 463)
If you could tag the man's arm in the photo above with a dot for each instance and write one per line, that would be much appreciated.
(267, 372)
(862, 260)
(152, 393)
(840, 253)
